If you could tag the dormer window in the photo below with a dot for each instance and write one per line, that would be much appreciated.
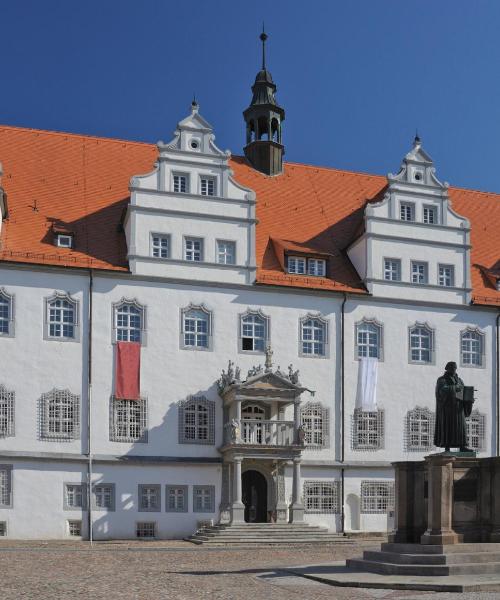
(299, 265)
(296, 265)
(64, 240)
(316, 267)
(181, 184)
(207, 186)
(407, 211)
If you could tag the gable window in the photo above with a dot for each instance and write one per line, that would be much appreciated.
(368, 430)
(419, 272)
(226, 252)
(104, 496)
(368, 339)
(74, 496)
(296, 265)
(377, 496)
(313, 336)
(475, 425)
(419, 430)
(446, 275)
(203, 498)
(128, 421)
(197, 421)
(193, 249)
(176, 498)
(254, 332)
(64, 240)
(160, 245)
(181, 184)
(407, 211)
(149, 497)
(392, 269)
(59, 415)
(421, 344)
(207, 186)
(196, 327)
(129, 317)
(61, 317)
(472, 348)
(321, 497)
(7, 398)
(5, 486)
(430, 215)
(6, 314)
(315, 421)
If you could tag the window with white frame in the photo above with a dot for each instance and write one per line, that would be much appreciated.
(7, 399)
(74, 528)
(203, 498)
(421, 342)
(446, 275)
(407, 211)
(430, 215)
(149, 497)
(129, 321)
(254, 331)
(472, 351)
(313, 336)
(61, 317)
(128, 422)
(419, 272)
(420, 430)
(3, 528)
(207, 186)
(377, 496)
(160, 245)
(315, 421)
(59, 416)
(392, 269)
(64, 240)
(176, 498)
(6, 314)
(367, 429)
(181, 184)
(5, 486)
(321, 497)
(226, 252)
(74, 496)
(476, 428)
(299, 265)
(104, 496)
(316, 267)
(145, 529)
(368, 339)
(196, 327)
(193, 249)
(296, 265)
(197, 421)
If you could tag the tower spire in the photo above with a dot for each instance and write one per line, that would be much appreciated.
(263, 38)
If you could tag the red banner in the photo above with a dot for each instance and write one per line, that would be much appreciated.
(128, 371)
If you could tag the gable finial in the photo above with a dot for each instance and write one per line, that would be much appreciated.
(417, 138)
(263, 38)
(194, 104)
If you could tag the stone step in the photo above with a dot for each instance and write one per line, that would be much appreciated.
(268, 540)
(388, 568)
(431, 559)
(440, 549)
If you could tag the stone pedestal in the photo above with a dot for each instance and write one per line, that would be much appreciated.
(410, 517)
(495, 500)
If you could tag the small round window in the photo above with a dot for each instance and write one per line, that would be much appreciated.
(195, 144)
(418, 176)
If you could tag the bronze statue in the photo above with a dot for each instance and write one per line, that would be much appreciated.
(453, 404)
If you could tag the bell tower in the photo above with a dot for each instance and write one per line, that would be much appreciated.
(263, 118)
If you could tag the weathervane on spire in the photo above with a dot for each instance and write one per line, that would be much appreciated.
(263, 37)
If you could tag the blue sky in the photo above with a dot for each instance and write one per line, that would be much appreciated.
(356, 77)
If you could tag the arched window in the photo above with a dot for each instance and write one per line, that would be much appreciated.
(419, 430)
(61, 318)
(472, 351)
(368, 339)
(197, 421)
(129, 321)
(6, 314)
(421, 344)
(254, 331)
(196, 325)
(315, 421)
(313, 336)
(129, 420)
(7, 399)
(476, 430)
(263, 129)
(59, 415)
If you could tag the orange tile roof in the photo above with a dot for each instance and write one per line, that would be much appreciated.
(80, 183)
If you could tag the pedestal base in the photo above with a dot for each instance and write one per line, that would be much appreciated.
(296, 513)
(238, 513)
(281, 512)
(441, 539)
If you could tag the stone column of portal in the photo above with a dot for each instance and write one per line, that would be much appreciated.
(297, 506)
(238, 508)
(296, 420)
(495, 496)
(440, 503)
(281, 506)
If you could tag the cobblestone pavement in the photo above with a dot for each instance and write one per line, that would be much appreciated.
(164, 570)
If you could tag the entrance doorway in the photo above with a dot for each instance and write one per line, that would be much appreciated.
(254, 488)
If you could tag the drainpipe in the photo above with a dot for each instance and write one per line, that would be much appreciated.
(89, 409)
(342, 400)
(497, 365)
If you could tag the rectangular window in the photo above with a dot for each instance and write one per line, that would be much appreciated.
(74, 528)
(377, 496)
(197, 421)
(129, 320)
(6, 412)
(296, 265)
(419, 272)
(128, 420)
(196, 328)
(368, 429)
(160, 245)
(446, 275)
(149, 497)
(3, 529)
(74, 496)
(316, 267)
(254, 332)
(313, 334)
(181, 184)
(321, 497)
(61, 318)
(392, 269)
(472, 348)
(226, 252)
(407, 211)
(64, 241)
(193, 249)
(430, 215)
(145, 529)
(176, 498)
(5, 313)
(207, 186)
(203, 498)
(5, 486)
